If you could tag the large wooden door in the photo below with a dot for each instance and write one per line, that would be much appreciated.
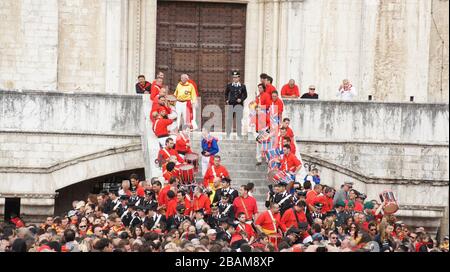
(204, 40)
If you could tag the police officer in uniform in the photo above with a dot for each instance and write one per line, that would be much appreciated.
(122, 206)
(226, 189)
(235, 95)
(281, 197)
(225, 207)
(175, 221)
(318, 212)
(149, 201)
(138, 216)
(127, 216)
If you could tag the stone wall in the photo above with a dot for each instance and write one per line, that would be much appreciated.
(50, 140)
(379, 146)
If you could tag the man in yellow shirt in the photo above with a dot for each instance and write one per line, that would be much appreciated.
(186, 102)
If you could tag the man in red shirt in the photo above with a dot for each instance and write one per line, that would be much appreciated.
(171, 171)
(215, 170)
(162, 196)
(159, 108)
(263, 99)
(168, 151)
(143, 87)
(325, 199)
(200, 201)
(161, 128)
(183, 143)
(290, 164)
(293, 216)
(245, 204)
(269, 221)
(267, 81)
(136, 184)
(290, 90)
(183, 199)
(276, 108)
(171, 204)
(245, 229)
(289, 132)
(311, 195)
(156, 88)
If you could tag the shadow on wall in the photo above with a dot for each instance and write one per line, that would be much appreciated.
(81, 190)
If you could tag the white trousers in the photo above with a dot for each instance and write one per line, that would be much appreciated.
(205, 164)
(258, 148)
(181, 108)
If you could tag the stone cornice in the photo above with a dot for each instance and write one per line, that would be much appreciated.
(370, 180)
(380, 143)
(58, 166)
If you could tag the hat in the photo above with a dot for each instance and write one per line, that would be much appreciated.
(231, 222)
(368, 205)
(362, 196)
(211, 232)
(181, 208)
(124, 197)
(223, 219)
(71, 213)
(301, 193)
(133, 189)
(225, 195)
(293, 230)
(140, 208)
(281, 184)
(446, 237)
(149, 192)
(340, 203)
(318, 205)
(79, 205)
(330, 213)
(227, 180)
(235, 73)
(351, 203)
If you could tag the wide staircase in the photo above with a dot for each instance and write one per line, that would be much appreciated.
(238, 156)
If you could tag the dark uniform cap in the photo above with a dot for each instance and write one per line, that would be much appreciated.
(318, 205)
(227, 180)
(235, 73)
(124, 197)
(140, 208)
(231, 222)
(181, 208)
(301, 193)
(223, 219)
(293, 230)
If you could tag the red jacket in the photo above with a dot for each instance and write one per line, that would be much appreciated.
(214, 171)
(250, 209)
(160, 127)
(162, 196)
(289, 220)
(201, 202)
(276, 108)
(265, 221)
(269, 89)
(325, 201)
(264, 100)
(288, 91)
(166, 153)
(290, 163)
(154, 92)
(156, 107)
(181, 144)
(171, 207)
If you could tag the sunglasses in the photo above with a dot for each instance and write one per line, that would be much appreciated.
(82, 227)
(312, 89)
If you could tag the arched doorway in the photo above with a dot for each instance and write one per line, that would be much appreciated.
(80, 190)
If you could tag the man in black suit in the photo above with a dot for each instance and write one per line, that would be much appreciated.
(235, 95)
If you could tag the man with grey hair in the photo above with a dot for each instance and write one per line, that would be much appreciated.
(342, 194)
(186, 101)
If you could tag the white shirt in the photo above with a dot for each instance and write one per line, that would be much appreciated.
(346, 95)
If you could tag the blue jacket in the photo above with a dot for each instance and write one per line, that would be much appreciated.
(213, 149)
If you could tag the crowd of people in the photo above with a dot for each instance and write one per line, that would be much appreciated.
(177, 212)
